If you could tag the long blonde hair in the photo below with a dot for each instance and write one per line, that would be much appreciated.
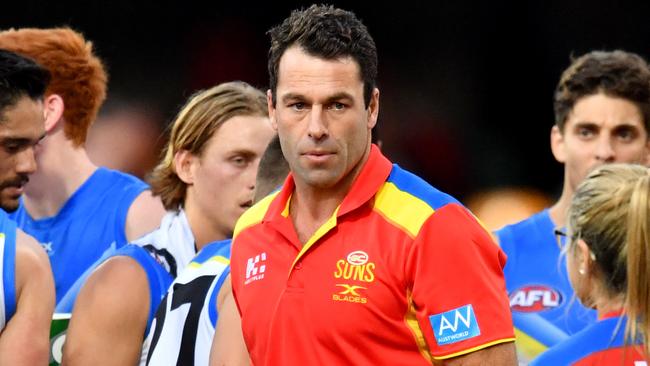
(193, 127)
(610, 211)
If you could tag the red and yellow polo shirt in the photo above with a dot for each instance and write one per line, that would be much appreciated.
(400, 274)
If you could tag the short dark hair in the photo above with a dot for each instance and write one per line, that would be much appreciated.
(617, 74)
(329, 33)
(19, 77)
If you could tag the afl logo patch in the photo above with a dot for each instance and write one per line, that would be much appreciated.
(535, 298)
(358, 258)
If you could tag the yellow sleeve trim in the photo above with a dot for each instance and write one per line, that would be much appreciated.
(216, 258)
(412, 323)
(254, 215)
(474, 349)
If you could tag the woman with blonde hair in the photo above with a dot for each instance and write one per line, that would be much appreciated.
(608, 260)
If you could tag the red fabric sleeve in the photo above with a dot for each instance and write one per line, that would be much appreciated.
(455, 272)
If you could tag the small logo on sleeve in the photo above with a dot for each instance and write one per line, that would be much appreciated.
(255, 268)
(48, 248)
(455, 325)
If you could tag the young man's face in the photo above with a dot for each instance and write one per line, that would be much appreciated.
(224, 175)
(323, 124)
(600, 129)
(21, 128)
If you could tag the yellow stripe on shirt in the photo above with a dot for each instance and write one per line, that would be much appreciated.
(402, 209)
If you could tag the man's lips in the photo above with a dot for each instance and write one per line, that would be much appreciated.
(15, 190)
(318, 156)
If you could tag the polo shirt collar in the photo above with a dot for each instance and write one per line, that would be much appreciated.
(373, 174)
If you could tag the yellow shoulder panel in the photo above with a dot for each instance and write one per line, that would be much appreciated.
(402, 209)
(254, 215)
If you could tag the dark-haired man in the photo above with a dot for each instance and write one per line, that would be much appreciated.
(602, 112)
(355, 260)
(26, 285)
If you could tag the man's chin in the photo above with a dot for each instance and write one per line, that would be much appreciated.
(9, 205)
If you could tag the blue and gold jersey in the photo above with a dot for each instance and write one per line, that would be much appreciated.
(601, 343)
(545, 310)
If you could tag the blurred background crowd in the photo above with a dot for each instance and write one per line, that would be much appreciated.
(466, 87)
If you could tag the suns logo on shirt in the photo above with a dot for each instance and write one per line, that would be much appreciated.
(355, 267)
(535, 298)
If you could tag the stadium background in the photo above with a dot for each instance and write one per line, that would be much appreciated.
(466, 86)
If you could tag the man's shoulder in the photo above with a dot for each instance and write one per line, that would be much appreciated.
(32, 263)
(414, 186)
(6, 223)
(215, 249)
(594, 338)
(107, 187)
(528, 228)
(407, 201)
(126, 180)
(254, 215)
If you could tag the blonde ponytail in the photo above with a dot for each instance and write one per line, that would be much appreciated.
(637, 302)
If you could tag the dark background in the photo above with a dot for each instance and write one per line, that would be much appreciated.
(466, 87)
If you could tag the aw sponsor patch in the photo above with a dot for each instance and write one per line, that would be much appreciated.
(455, 325)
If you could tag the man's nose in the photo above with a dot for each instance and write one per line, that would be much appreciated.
(317, 128)
(26, 161)
(605, 150)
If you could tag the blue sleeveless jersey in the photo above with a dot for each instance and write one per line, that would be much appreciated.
(157, 277)
(88, 228)
(8, 262)
(602, 343)
(545, 310)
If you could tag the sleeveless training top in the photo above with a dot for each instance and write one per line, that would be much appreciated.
(7, 269)
(89, 227)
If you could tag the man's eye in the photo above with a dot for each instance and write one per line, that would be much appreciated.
(626, 135)
(239, 161)
(297, 106)
(337, 106)
(12, 148)
(585, 132)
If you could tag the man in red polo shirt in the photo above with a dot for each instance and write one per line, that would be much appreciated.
(355, 260)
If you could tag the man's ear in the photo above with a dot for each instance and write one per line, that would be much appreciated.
(184, 162)
(53, 107)
(558, 146)
(373, 108)
(271, 107)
